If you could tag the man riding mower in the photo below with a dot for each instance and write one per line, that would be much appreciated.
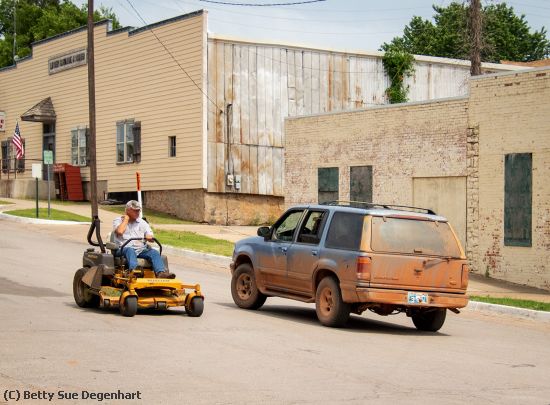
(133, 275)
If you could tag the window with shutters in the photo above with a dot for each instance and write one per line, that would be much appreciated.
(79, 146)
(518, 191)
(128, 141)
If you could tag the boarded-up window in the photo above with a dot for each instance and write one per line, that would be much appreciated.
(517, 199)
(360, 183)
(327, 184)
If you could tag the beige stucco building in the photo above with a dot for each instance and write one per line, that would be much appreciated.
(481, 160)
(200, 117)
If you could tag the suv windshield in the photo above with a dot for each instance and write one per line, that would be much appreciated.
(410, 236)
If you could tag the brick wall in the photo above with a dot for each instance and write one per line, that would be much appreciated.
(400, 142)
(511, 112)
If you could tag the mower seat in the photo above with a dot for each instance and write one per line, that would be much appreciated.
(121, 261)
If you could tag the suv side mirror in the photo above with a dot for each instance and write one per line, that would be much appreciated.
(263, 231)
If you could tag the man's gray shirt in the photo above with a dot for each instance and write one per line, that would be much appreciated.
(137, 229)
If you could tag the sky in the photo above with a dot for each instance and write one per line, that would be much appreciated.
(362, 25)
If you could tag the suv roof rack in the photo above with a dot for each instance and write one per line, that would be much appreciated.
(362, 204)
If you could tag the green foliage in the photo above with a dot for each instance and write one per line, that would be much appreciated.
(55, 215)
(193, 241)
(505, 35)
(512, 302)
(40, 19)
(398, 64)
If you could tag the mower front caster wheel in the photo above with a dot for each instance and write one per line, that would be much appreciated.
(195, 307)
(129, 306)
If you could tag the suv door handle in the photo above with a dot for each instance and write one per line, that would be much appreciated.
(283, 249)
(314, 253)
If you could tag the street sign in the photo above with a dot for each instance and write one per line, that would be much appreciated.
(48, 157)
(37, 171)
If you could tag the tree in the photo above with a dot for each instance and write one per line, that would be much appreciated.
(39, 19)
(505, 35)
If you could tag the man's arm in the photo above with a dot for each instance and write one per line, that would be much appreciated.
(121, 228)
(148, 231)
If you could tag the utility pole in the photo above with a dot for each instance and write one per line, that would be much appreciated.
(14, 31)
(92, 138)
(475, 37)
(91, 108)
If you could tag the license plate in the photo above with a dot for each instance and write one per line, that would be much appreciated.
(417, 298)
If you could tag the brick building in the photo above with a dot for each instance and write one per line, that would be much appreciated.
(482, 160)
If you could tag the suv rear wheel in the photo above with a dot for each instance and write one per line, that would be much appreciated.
(330, 308)
(430, 320)
(244, 290)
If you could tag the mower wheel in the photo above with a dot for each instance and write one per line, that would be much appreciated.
(129, 306)
(83, 296)
(195, 307)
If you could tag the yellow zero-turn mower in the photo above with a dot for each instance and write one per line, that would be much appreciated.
(104, 281)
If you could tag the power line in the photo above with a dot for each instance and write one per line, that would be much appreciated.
(172, 56)
(226, 3)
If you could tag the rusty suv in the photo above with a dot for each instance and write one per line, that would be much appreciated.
(349, 257)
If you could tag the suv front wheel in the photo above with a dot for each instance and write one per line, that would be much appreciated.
(330, 308)
(244, 290)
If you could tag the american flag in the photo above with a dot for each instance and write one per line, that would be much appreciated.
(18, 142)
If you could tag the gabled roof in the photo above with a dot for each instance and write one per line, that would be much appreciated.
(41, 112)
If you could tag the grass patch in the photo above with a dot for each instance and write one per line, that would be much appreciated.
(193, 241)
(153, 216)
(53, 200)
(56, 215)
(512, 302)
(2, 202)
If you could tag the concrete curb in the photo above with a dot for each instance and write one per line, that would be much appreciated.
(39, 221)
(507, 310)
(223, 261)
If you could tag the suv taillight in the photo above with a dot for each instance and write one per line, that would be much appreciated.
(465, 271)
(363, 268)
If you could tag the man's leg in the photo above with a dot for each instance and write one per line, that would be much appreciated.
(154, 257)
(131, 258)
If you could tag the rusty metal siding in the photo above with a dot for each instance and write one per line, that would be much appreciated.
(264, 84)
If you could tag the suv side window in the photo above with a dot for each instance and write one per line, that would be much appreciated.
(345, 231)
(312, 227)
(284, 231)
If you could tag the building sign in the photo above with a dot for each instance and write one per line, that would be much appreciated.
(2, 121)
(67, 61)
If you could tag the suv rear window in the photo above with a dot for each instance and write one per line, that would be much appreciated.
(409, 236)
(345, 231)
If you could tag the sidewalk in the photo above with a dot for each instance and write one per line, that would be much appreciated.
(478, 285)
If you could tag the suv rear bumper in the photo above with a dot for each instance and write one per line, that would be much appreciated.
(399, 297)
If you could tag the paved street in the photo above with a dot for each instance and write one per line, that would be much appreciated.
(279, 354)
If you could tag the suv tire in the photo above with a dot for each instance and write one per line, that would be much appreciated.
(244, 290)
(431, 320)
(330, 308)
